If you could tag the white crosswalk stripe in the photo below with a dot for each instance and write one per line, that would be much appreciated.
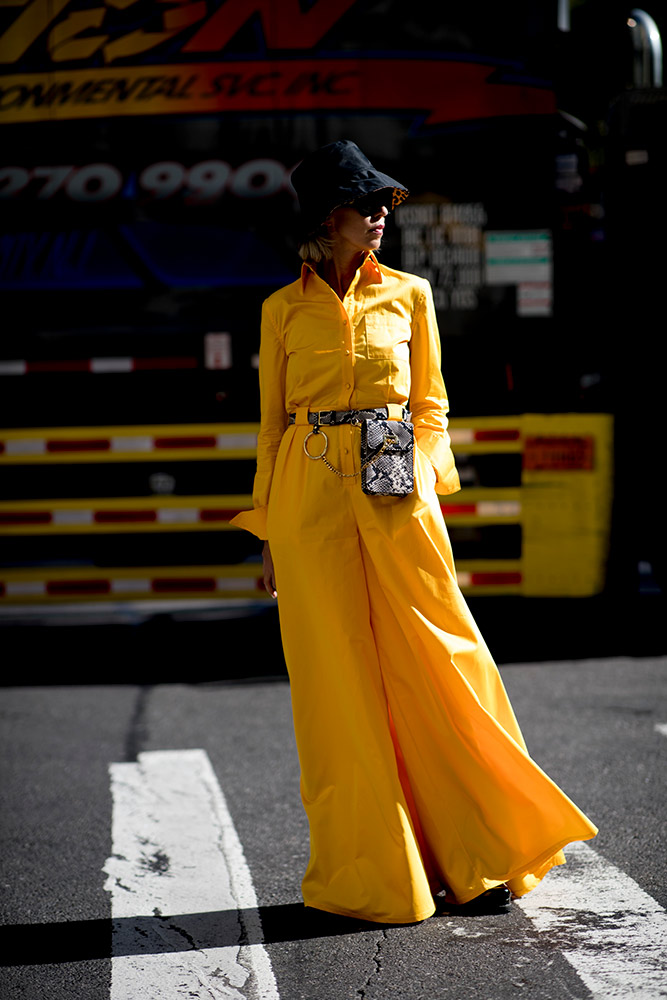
(180, 886)
(611, 931)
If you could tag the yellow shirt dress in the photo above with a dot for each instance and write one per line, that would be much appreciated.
(414, 773)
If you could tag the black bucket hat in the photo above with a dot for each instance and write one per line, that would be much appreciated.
(336, 175)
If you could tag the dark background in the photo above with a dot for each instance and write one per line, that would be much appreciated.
(140, 276)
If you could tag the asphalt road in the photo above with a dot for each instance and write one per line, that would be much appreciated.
(592, 724)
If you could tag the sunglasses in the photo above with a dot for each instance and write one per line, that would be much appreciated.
(372, 204)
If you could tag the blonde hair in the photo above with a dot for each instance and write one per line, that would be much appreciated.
(317, 247)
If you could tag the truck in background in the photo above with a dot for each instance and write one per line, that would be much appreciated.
(147, 212)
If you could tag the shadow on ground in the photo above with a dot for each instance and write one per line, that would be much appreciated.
(168, 649)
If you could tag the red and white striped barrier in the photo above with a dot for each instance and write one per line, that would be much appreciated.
(483, 435)
(90, 516)
(483, 508)
(100, 585)
(96, 366)
(129, 443)
(43, 446)
(489, 578)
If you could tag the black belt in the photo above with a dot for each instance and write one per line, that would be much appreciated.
(329, 417)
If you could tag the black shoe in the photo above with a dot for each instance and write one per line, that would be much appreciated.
(496, 900)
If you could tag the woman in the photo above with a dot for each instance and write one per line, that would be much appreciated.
(414, 774)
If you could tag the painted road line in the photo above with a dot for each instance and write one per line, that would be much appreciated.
(661, 727)
(611, 931)
(182, 899)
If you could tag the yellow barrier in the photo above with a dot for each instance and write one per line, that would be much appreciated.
(562, 505)
(567, 486)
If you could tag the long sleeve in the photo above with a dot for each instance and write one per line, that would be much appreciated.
(428, 396)
(272, 371)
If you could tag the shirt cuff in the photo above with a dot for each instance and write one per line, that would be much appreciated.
(438, 450)
(448, 485)
(252, 520)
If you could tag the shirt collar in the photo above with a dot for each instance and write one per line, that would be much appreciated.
(370, 268)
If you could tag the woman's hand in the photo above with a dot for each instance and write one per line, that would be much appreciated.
(269, 575)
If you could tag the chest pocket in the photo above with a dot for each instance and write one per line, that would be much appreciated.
(387, 336)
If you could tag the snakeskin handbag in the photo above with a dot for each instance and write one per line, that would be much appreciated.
(387, 458)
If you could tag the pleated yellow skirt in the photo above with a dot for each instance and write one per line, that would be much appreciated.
(414, 773)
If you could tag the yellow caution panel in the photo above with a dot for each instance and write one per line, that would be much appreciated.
(567, 481)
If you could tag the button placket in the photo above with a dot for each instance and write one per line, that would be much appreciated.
(347, 357)
(347, 445)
